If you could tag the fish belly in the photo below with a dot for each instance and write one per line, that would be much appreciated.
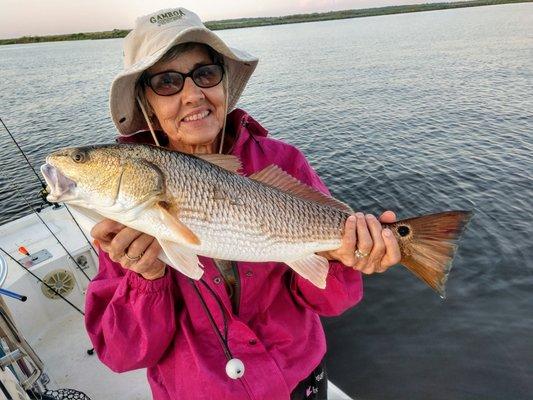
(237, 243)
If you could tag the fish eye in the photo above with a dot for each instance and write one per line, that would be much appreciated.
(78, 157)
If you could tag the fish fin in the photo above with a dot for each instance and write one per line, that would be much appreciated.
(428, 245)
(226, 161)
(181, 259)
(178, 227)
(276, 177)
(313, 268)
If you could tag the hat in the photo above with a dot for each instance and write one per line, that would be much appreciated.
(152, 36)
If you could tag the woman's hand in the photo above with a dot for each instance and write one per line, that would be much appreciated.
(378, 248)
(121, 242)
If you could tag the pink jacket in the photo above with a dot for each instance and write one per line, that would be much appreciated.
(161, 325)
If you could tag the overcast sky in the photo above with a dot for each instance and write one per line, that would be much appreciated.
(45, 17)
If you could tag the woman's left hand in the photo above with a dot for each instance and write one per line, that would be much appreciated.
(378, 246)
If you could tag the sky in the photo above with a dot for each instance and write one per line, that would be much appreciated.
(47, 17)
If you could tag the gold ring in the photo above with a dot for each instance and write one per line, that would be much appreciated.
(360, 254)
(133, 258)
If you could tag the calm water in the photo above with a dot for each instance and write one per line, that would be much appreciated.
(416, 113)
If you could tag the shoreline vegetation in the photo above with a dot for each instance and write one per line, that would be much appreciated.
(266, 21)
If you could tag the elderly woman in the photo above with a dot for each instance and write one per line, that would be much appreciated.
(246, 330)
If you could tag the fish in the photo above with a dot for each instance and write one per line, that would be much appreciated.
(202, 205)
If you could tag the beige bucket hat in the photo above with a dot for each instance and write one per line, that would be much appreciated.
(152, 36)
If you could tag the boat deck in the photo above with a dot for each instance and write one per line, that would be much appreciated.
(63, 348)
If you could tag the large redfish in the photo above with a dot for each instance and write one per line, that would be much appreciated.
(200, 205)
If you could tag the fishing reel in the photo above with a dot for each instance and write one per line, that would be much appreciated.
(43, 193)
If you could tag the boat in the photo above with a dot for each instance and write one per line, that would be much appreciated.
(44, 274)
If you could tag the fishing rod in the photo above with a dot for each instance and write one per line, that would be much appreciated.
(43, 192)
(81, 230)
(40, 280)
(50, 230)
(91, 350)
(23, 154)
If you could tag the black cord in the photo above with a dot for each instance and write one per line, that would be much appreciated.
(43, 184)
(81, 230)
(221, 306)
(40, 280)
(24, 155)
(223, 339)
(53, 234)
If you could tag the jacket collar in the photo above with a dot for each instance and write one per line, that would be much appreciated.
(244, 127)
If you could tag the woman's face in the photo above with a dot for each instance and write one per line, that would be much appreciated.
(194, 117)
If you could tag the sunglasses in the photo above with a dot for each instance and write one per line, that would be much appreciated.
(167, 83)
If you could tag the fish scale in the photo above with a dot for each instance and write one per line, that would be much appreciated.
(244, 198)
(248, 227)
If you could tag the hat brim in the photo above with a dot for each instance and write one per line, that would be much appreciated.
(239, 66)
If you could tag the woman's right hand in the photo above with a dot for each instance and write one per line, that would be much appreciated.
(118, 240)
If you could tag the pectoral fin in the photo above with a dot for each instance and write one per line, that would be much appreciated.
(179, 228)
(181, 259)
(313, 268)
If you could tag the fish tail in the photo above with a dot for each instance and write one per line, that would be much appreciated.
(428, 245)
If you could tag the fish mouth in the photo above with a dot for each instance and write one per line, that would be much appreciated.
(60, 186)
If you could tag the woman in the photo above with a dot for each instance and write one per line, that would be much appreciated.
(180, 81)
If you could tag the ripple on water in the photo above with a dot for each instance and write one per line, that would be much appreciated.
(416, 113)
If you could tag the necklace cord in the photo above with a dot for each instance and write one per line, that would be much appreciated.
(215, 296)
(223, 339)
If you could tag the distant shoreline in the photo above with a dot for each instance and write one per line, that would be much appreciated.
(266, 21)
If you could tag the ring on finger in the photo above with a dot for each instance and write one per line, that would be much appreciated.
(359, 254)
(133, 258)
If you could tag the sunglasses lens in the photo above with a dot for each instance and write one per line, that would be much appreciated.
(207, 76)
(167, 83)
(171, 82)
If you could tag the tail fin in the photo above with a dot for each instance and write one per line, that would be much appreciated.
(428, 245)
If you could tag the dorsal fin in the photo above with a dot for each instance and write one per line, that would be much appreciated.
(276, 177)
(226, 161)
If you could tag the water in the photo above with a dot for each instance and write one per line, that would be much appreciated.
(416, 113)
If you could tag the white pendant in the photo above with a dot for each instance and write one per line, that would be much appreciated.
(235, 368)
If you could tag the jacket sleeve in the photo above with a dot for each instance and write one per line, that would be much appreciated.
(129, 319)
(344, 285)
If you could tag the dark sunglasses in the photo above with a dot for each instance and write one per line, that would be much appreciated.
(167, 83)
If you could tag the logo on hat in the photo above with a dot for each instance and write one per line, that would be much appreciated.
(165, 18)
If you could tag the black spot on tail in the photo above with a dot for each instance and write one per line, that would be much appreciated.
(403, 230)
